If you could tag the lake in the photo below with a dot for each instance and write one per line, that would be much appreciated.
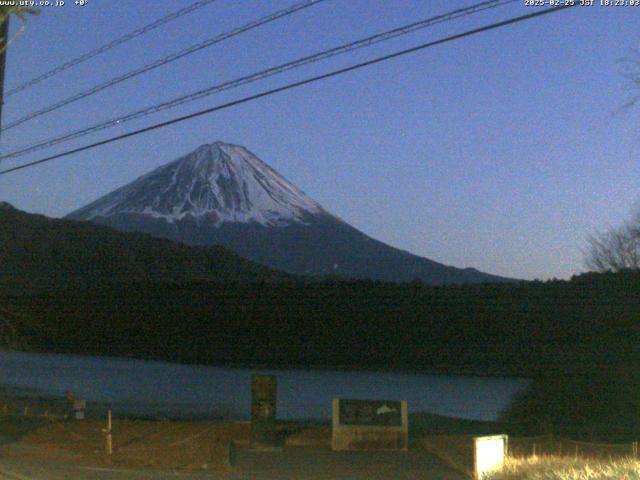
(161, 388)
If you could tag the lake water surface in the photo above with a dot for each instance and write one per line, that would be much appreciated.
(151, 387)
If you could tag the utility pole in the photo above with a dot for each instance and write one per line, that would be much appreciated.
(4, 38)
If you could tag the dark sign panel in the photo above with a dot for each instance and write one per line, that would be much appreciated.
(264, 394)
(370, 413)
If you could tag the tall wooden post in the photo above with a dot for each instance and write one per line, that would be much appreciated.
(108, 437)
(264, 391)
(4, 39)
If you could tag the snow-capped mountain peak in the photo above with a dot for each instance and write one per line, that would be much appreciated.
(216, 183)
(222, 194)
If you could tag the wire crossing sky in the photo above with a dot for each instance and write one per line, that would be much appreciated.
(365, 42)
(510, 21)
(164, 61)
(104, 48)
(502, 151)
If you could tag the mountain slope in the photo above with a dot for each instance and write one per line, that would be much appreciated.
(223, 194)
(215, 184)
(36, 251)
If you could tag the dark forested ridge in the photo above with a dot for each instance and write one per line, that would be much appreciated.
(82, 288)
(78, 288)
(37, 252)
(511, 330)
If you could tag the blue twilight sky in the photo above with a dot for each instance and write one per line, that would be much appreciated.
(502, 151)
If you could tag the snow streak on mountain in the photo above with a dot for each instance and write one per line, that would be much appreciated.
(216, 183)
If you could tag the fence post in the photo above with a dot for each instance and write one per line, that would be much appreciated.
(560, 448)
(108, 438)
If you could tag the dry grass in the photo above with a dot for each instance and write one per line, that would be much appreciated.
(456, 451)
(136, 444)
(319, 437)
(562, 468)
(150, 444)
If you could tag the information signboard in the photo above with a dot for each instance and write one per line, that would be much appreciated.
(369, 425)
(371, 412)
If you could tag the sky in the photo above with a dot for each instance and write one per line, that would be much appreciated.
(501, 151)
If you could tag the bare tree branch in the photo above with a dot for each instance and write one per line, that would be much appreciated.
(630, 70)
(616, 249)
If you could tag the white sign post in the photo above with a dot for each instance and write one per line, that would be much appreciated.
(488, 454)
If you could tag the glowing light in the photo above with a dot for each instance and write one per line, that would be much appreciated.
(489, 453)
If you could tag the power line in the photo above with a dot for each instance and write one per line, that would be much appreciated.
(165, 60)
(118, 41)
(290, 86)
(258, 76)
(384, 36)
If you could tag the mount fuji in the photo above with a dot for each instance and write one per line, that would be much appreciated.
(223, 194)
